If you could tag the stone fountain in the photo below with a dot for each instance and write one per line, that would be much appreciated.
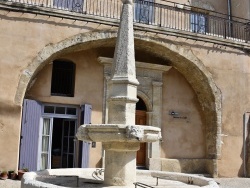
(121, 137)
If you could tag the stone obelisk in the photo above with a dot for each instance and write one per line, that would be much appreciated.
(121, 138)
(120, 157)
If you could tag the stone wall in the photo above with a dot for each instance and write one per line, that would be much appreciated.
(193, 166)
(217, 75)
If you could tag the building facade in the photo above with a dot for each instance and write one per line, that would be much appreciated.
(192, 62)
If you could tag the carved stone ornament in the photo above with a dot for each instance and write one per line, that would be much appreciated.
(134, 132)
(82, 134)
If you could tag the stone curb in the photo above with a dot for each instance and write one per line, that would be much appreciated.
(29, 178)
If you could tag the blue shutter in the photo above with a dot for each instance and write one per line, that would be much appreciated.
(30, 134)
(86, 110)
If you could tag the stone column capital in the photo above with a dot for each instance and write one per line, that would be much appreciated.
(157, 84)
(127, 2)
(107, 78)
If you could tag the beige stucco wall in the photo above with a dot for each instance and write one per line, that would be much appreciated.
(21, 40)
(218, 6)
(23, 36)
(241, 8)
(88, 89)
(230, 70)
(183, 136)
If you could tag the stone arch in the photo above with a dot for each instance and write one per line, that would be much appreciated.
(146, 100)
(180, 57)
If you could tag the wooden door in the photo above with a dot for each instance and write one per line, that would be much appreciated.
(140, 119)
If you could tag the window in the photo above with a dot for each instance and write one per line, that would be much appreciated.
(46, 144)
(198, 23)
(48, 109)
(143, 11)
(57, 134)
(71, 5)
(63, 78)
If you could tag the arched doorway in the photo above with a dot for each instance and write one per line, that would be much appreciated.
(141, 119)
(181, 58)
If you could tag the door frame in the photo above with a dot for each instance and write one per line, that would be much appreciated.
(51, 116)
(40, 142)
(145, 155)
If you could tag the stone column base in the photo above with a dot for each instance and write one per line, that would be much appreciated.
(120, 163)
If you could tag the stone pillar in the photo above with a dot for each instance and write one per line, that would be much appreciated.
(156, 121)
(105, 98)
(120, 161)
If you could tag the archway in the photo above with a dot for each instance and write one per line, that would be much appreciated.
(141, 119)
(180, 57)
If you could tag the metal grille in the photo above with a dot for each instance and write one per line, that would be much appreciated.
(138, 184)
(166, 15)
(63, 79)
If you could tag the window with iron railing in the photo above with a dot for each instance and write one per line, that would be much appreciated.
(71, 5)
(63, 78)
(144, 11)
(166, 14)
(198, 22)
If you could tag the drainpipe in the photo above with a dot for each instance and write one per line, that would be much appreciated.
(229, 10)
(245, 133)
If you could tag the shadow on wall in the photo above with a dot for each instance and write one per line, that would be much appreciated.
(99, 164)
(244, 170)
(193, 166)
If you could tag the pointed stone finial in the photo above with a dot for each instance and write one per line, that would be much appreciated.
(124, 57)
(123, 83)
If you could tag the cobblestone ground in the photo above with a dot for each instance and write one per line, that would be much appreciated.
(233, 182)
(223, 182)
(10, 183)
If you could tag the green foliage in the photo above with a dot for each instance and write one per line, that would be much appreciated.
(4, 172)
(25, 169)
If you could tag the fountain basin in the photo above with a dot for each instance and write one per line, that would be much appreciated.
(118, 133)
(80, 177)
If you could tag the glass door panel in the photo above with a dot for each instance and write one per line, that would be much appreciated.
(44, 161)
(46, 144)
(68, 147)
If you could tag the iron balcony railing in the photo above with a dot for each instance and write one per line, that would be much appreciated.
(166, 15)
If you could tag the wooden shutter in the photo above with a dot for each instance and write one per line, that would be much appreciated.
(30, 134)
(86, 111)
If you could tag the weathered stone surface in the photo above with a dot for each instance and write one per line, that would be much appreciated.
(197, 166)
(120, 162)
(150, 77)
(38, 179)
(205, 87)
(118, 133)
(121, 141)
